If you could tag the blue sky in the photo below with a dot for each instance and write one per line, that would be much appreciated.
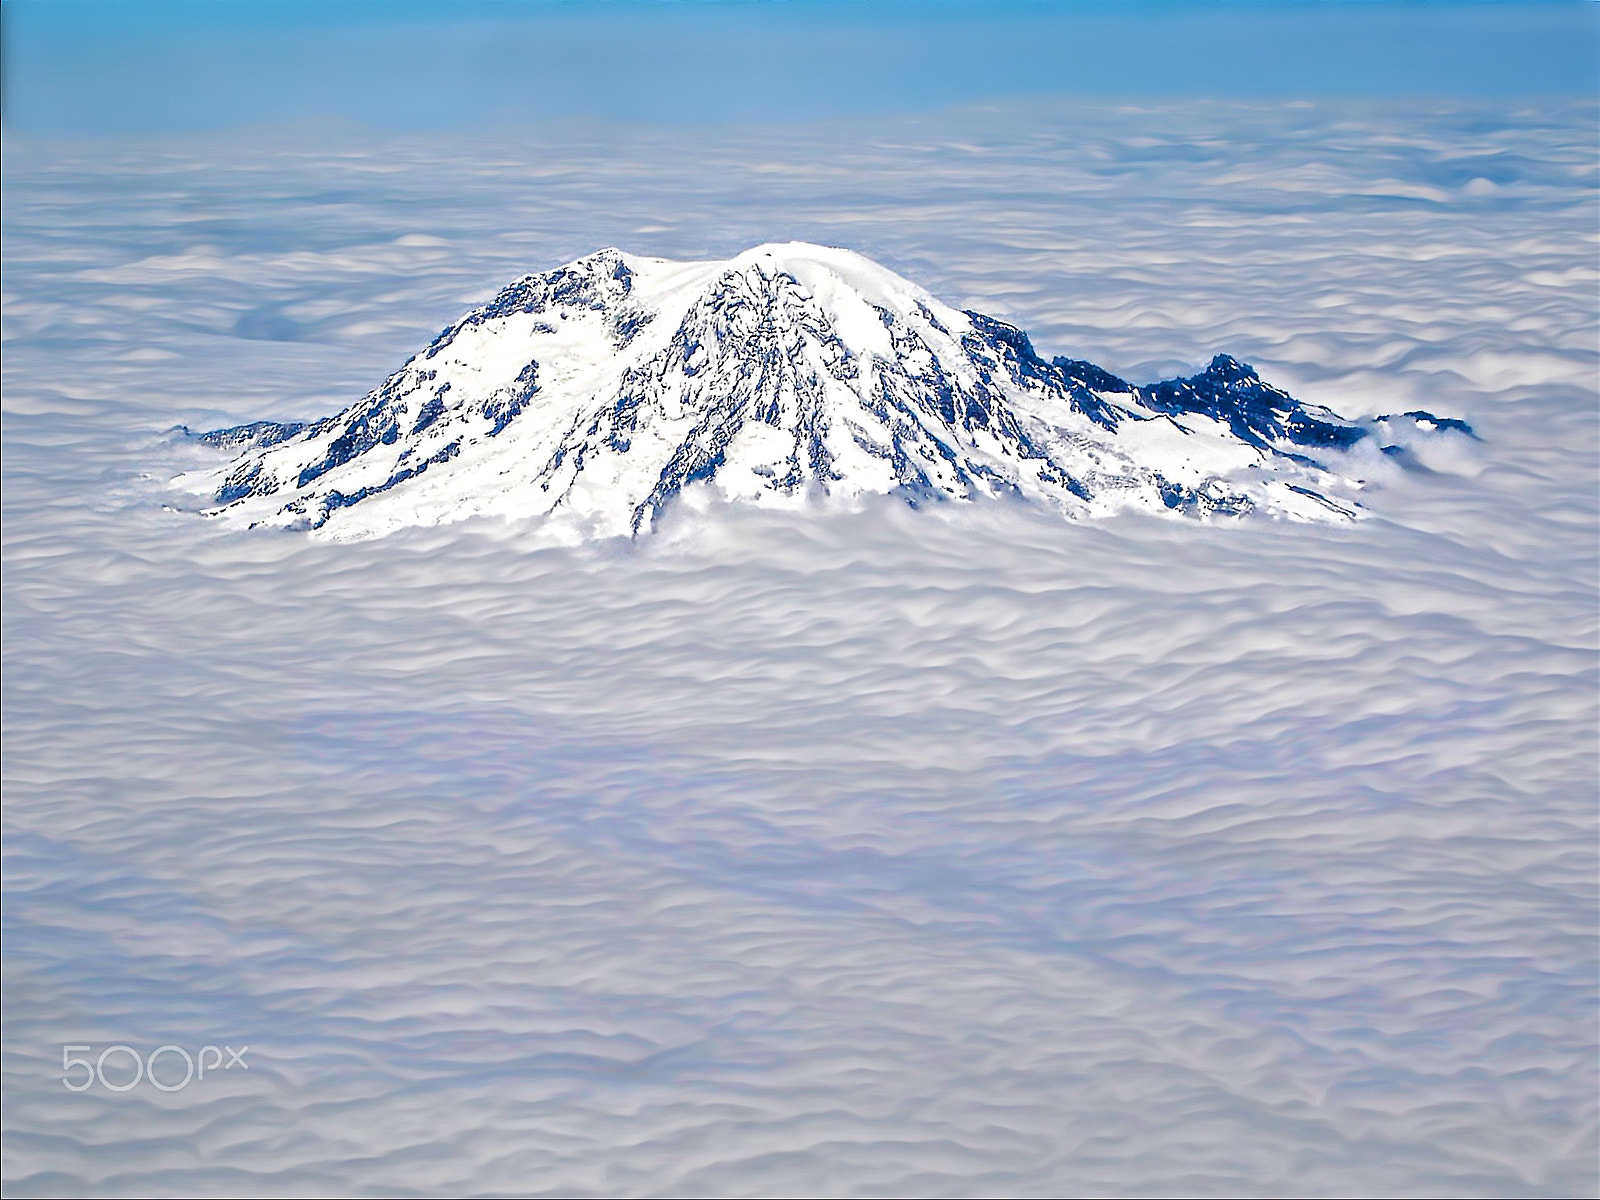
(94, 68)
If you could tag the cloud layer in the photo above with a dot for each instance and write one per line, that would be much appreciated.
(885, 852)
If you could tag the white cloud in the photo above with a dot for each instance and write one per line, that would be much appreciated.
(951, 851)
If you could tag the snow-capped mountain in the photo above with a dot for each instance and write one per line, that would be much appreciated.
(599, 391)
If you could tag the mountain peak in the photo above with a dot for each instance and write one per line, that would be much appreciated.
(1227, 369)
(594, 393)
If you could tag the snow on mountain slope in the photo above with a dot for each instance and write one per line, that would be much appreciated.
(598, 392)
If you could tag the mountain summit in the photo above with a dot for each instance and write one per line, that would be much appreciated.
(602, 389)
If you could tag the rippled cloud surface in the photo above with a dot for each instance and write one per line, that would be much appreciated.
(956, 851)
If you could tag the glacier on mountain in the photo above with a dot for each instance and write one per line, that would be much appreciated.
(598, 392)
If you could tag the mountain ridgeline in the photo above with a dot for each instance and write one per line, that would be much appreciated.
(596, 393)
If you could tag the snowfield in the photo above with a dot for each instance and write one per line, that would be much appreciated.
(597, 393)
(860, 850)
